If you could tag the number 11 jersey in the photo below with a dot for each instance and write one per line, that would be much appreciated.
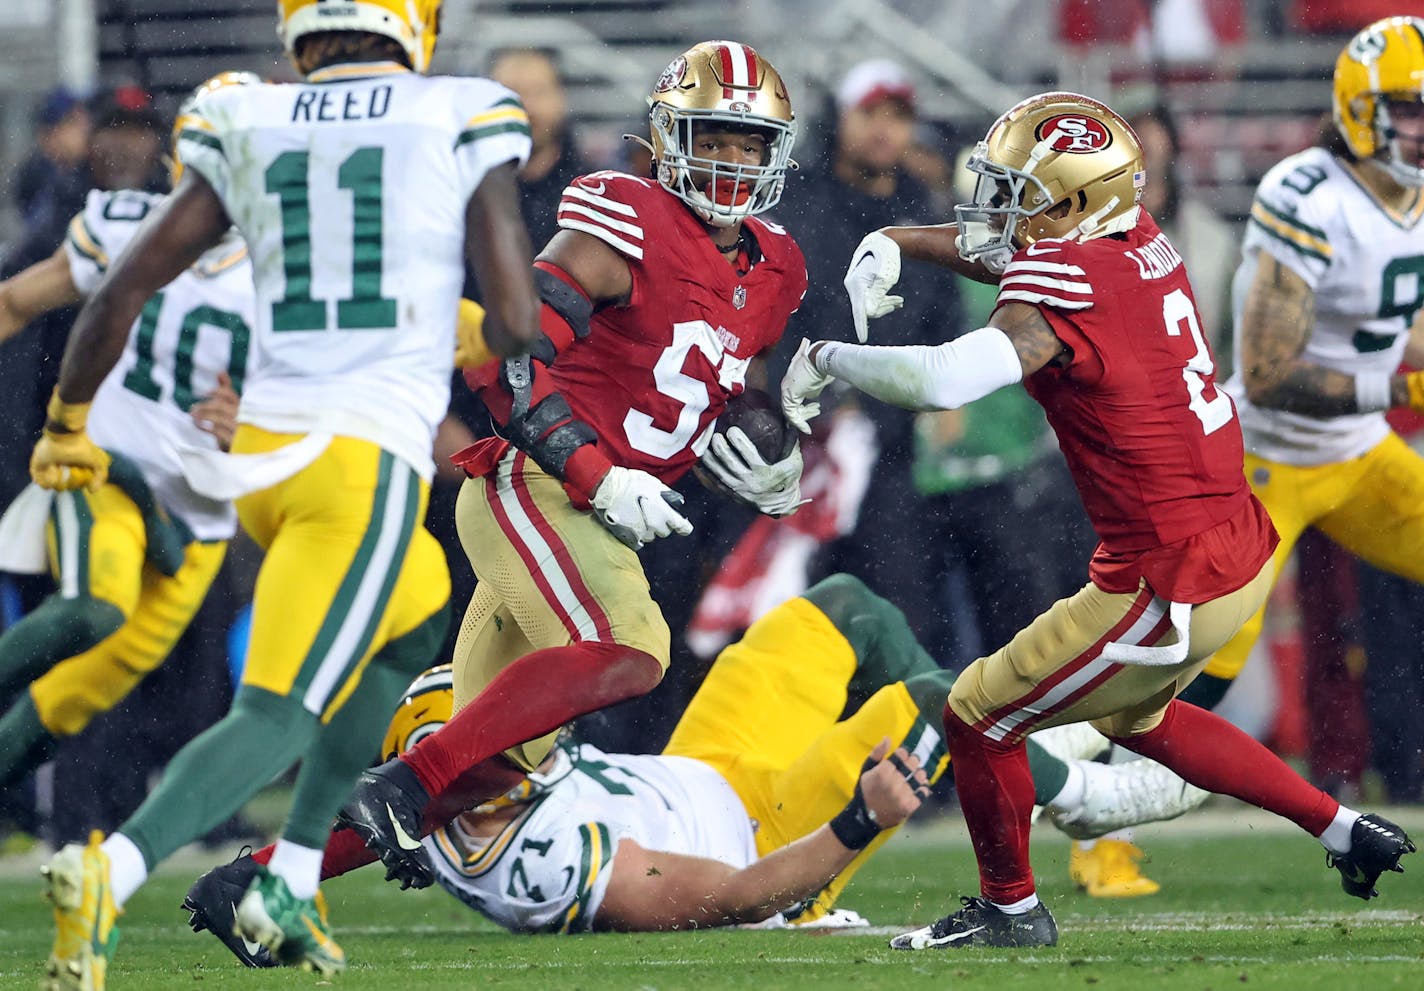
(1154, 447)
(350, 190)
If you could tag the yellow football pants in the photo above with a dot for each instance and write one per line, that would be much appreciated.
(348, 567)
(1373, 506)
(97, 544)
(766, 718)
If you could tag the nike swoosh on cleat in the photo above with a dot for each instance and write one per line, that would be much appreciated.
(406, 841)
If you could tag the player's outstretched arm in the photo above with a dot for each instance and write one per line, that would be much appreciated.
(497, 244)
(1275, 328)
(173, 235)
(938, 245)
(44, 286)
(654, 891)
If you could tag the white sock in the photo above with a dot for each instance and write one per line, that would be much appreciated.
(127, 870)
(299, 866)
(1336, 837)
(1019, 907)
(1070, 796)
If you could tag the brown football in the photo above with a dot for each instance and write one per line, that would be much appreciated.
(758, 416)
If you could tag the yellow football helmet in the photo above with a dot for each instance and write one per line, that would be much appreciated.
(222, 79)
(413, 23)
(1383, 63)
(1055, 165)
(427, 705)
(729, 84)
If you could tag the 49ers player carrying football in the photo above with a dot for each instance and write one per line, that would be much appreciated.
(657, 294)
(1096, 317)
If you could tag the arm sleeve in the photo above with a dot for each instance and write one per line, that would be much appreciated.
(946, 376)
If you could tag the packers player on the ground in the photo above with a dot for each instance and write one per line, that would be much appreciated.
(1325, 302)
(133, 558)
(753, 808)
(358, 192)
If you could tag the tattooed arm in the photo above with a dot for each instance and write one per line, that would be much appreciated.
(1275, 326)
(1017, 343)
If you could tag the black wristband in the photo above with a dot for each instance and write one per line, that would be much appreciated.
(855, 825)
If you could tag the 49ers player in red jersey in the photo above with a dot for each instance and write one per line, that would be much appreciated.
(657, 294)
(1096, 317)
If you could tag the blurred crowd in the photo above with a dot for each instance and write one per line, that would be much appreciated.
(966, 519)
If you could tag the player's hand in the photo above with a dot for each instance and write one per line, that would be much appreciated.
(65, 461)
(893, 786)
(802, 382)
(774, 488)
(471, 351)
(637, 508)
(217, 414)
(874, 270)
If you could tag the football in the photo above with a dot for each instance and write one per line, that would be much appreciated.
(758, 416)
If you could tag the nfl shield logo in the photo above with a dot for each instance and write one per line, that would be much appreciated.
(739, 297)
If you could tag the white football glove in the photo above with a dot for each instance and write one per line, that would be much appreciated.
(874, 270)
(637, 508)
(773, 488)
(801, 382)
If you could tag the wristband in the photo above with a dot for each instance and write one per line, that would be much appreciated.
(1372, 392)
(855, 825)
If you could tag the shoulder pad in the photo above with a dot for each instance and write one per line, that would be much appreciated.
(610, 206)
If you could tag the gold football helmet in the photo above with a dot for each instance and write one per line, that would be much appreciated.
(427, 705)
(413, 23)
(1056, 165)
(1383, 63)
(730, 85)
(222, 79)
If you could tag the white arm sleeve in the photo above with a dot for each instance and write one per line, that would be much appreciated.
(945, 376)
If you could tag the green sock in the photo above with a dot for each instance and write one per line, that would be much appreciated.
(58, 628)
(1206, 691)
(1049, 773)
(885, 648)
(24, 742)
(215, 774)
(348, 744)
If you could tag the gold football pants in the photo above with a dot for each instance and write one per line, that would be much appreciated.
(348, 567)
(97, 545)
(1373, 506)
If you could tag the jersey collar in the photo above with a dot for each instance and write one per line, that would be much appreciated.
(1404, 220)
(355, 70)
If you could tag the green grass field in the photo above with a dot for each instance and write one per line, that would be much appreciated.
(1245, 903)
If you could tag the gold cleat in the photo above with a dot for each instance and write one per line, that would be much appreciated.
(77, 883)
(1109, 869)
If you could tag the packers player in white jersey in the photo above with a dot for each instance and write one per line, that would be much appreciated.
(133, 559)
(1327, 301)
(754, 809)
(359, 192)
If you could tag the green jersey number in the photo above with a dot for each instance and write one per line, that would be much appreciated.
(366, 309)
(140, 378)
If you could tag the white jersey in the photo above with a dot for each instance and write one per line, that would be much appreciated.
(197, 326)
(350, 190)
(547, 871)
(1365, 265)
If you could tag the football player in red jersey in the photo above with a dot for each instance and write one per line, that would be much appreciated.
(657, 294)
(1096, 317)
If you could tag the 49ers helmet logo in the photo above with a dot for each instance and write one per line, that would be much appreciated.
(672, 76)
(1076, 134)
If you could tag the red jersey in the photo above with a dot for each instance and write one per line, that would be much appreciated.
(1154, 447)
(653, 375)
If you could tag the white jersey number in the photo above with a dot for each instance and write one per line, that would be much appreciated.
(1177, 309)
(677, 385)
(366, 309)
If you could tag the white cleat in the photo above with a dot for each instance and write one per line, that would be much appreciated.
(1117, 796)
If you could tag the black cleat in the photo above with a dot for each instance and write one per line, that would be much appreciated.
(979, 923)
(1376, 844)
(213, 899)
(386, 809)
